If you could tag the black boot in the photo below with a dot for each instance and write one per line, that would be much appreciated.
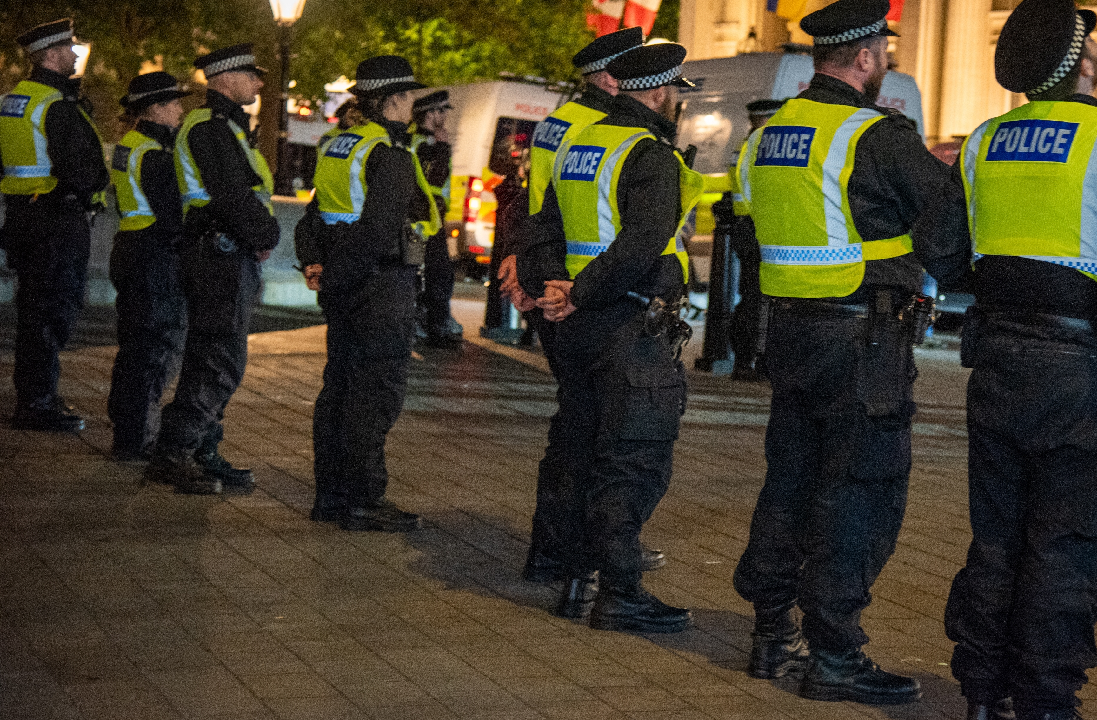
(651, 559)
(851, 675)
(47, 417)
(542, 568)
(636, 611)
(380, 516)
(177, 467)
(1061, 714)
(328, 507)
(578, 597)
(1000, 710)
(239, 481)
(777, 646)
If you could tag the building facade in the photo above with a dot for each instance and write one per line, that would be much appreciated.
(947, 45)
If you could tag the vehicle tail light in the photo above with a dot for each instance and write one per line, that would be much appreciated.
(472, 199)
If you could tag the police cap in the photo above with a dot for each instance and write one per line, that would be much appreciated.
(603, 50)
(764, 108)
(847, 21)
(384, 75)
(236, 58)
(1040, 44)
(650, 66)
(58, 32)
(435, 101)
(151, 88)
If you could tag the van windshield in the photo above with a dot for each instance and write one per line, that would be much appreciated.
(510, 148)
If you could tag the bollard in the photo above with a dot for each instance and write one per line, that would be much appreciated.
(717, 356)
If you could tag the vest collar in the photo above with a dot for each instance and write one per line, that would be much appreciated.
(398, 131)
(629, 111)
(221, 105)
(1084, 99)
(160, 133)
(57, 81)
(595, 98)
(831, 90)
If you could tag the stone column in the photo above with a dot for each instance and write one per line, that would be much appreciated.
(966, 71)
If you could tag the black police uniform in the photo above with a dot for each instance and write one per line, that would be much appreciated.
(622, 392)
(436, 159)
(221, 284)
(829, 513)
(48, 243)
(1022, 609)
(152, 309)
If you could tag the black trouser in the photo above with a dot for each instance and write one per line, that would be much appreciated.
(1022, 611)
(438, 280)
(744, 322)
(622, 395)
(829, 513)
(152, 327)
(48, 243)
(221, 290)
(369, 346)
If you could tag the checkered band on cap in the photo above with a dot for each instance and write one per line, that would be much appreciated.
(650, 81)
(377, 83)
(133, 97)
(851, 35)
(1067, 65)
(600, 64)
(43, 43)
(227, 64)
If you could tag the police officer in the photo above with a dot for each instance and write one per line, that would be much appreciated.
(745, 320)
(835, 184)
(608, 255)
(54, 176)
(1021, 610)
(553, 518)
(370, 194)
(228, 229)
(430, 143)
(144, 264)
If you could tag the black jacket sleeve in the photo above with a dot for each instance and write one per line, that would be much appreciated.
(542, 247)
(391, 191)
(75, 151)
(160, 186)
(942, 239)
(649, 203)
(229, 180)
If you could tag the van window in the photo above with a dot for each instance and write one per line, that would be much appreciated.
(510, 148)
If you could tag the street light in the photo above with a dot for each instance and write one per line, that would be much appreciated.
(286, 13)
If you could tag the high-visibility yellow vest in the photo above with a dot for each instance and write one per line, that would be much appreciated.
(797, 183)
(563, 124)
(125, 171)
(340, 178)
(585, 177)
(190, 178)
(1030, 177)
(439, 191)
(740, 184)
(23, 143)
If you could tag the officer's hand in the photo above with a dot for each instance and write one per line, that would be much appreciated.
(521, 301)
(263, 255)
(312, 276)
(557, 300)
(508, 274)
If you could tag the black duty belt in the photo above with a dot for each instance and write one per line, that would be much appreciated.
(818, 308)
(1041, 320)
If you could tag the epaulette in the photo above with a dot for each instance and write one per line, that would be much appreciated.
(898, 117)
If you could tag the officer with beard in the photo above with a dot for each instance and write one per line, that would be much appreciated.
(53, 175)
(605, 262)
(835, 185)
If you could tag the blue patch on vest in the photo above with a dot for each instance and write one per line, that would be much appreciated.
(341, 147)
(550, 133)
(14, 105)
(120, 158)
(1033, 141)
(787, 145)
(582, 162)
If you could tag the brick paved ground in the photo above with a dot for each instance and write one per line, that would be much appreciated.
(123, 601)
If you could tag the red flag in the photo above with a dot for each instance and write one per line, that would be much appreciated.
(895, 14)
(641, 14)
(604, 16)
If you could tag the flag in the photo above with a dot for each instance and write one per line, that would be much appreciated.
(641, 14)
(604, 16)
(789, 9)
(895, 14)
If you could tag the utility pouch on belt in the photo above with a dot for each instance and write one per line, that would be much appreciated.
(413, 249)
(884, 368)
(969, 335)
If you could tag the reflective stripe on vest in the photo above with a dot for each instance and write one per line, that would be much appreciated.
(797, 181)
(1030, 178)
(741, 194)
(191, 187)
(125, 170)
(23, 150)
(563, 124)
(340, 178)
(586, 176)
